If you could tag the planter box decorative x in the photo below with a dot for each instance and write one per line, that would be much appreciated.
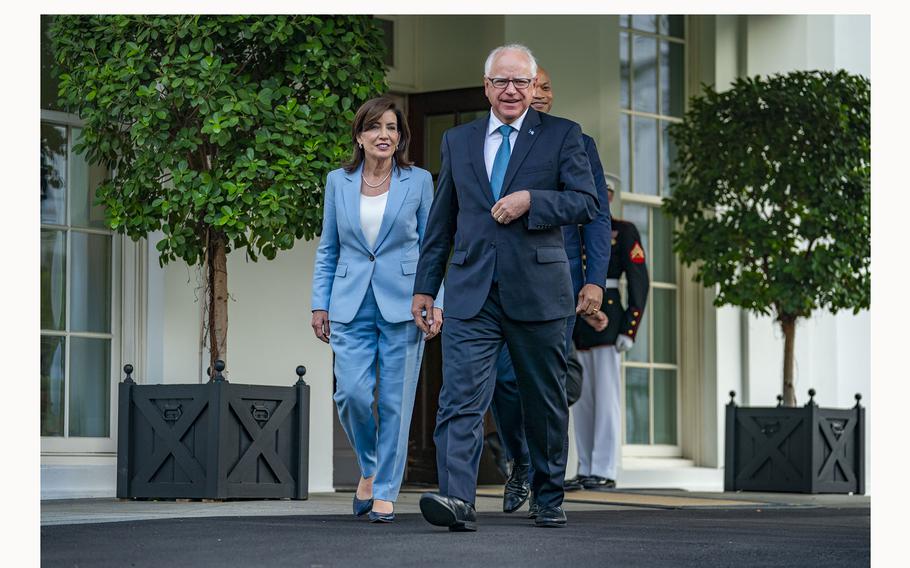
(795, 449)
(216, 440)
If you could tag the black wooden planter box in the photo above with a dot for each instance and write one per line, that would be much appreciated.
(795, 449)
(213, 441)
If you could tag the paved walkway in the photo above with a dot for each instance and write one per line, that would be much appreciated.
(616, 528)
(74, 511)
(77, 511)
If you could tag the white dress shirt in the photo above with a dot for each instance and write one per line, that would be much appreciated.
(371, 210)
(494, 138)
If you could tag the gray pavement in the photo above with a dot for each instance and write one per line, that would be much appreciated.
(655, 528)
(77, 511)
(80, 511)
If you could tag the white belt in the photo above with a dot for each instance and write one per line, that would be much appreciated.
(612, 283)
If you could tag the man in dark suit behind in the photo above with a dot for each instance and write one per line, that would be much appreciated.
(508, 281)
(587, 281)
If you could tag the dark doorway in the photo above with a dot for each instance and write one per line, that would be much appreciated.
(429, 116)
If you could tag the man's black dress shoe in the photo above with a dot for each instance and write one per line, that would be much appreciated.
(597, 482)
(450, 512)
(532, 510)
(550, 517)
(517, 489)
(575, 484)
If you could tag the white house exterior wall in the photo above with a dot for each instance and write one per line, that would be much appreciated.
(269, 331)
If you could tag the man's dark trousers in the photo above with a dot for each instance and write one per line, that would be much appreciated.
(507, 406)
(538, 352)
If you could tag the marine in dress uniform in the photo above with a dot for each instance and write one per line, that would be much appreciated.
(597, 413)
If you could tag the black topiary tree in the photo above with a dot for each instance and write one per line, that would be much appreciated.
(772, 196)
(220, 129)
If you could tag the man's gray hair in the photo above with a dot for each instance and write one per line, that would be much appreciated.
(510, 47)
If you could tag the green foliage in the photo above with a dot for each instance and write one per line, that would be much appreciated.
(217, 123)
(772, 192)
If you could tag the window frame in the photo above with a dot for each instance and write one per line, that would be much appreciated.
(77, 445)
(652, 203)
(651, 449)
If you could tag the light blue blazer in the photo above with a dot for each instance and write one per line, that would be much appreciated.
(346, 266)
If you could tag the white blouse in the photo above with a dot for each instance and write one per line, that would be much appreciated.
(371, 210)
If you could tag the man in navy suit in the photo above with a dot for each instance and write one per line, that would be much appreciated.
(499, 212)
(587, 282)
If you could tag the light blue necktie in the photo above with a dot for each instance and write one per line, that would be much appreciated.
(501, 161)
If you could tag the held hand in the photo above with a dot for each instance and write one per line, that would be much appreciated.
(623, 343)
(422, 311)
(321, 325)
(511, 207)
(598, 321)
(589, 300)
(436, 326)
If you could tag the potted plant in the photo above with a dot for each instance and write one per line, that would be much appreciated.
(219, 132)
(772, 203)
(213, 441)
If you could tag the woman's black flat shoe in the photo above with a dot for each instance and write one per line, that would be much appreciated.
(362, 506)
(381, 517)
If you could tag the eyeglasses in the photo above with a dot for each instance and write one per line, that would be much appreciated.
(500, 83)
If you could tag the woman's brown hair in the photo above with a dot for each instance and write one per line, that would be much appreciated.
(370, 112)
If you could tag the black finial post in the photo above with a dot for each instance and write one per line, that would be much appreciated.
(301, 371)
(219, 367)
(732, 397)
(811, 398)
(780, 400)
(128, 369)
(858, 398)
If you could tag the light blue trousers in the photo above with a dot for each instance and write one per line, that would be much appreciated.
(366, 348)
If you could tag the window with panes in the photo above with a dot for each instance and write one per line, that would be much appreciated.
(77, 282)
(652, 72)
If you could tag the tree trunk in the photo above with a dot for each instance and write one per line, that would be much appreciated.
(216, 261)
(788, 325)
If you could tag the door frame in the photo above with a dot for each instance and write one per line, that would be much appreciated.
(421, 105)
(421, 464)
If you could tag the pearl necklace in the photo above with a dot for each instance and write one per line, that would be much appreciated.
(363, 176)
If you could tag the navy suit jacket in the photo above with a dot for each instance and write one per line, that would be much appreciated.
(527, 255)
(596, 234)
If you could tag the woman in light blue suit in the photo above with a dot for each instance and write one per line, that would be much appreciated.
(375, 216)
